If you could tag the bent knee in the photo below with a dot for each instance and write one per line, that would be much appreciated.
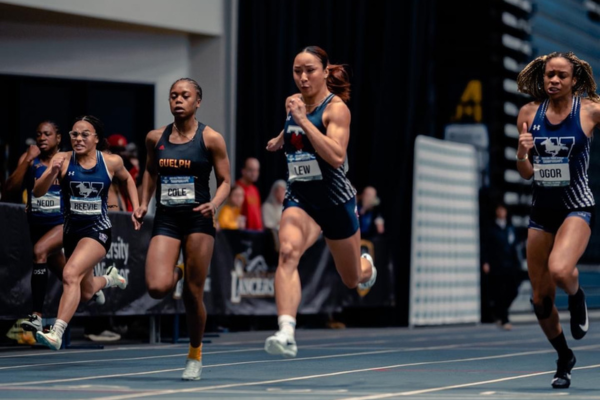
(40, 253)
(561, 272)
(86, 295)
(543, 305)
(351, 281)
(158, 291)
(71, 277)
(289, 252)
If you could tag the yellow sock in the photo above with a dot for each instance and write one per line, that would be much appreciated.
(182, 268)
(195, 353)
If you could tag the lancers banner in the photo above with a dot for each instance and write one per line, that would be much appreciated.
(243, 276)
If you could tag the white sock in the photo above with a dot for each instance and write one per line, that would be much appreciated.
(59, 327)
(109, 281)
(287, 324)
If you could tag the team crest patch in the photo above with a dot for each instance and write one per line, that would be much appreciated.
(86, 189)
(554, 146)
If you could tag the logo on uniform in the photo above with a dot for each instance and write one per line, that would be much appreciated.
(162, 147)
(86, 189)
(296, 138)
(103, 237)
(554, 146)
(536, 128)
(71, 173)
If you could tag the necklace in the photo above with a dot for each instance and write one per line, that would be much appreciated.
(317, 104)
(183, 134)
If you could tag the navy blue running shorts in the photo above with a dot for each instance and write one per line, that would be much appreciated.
(70, 240)
(37, 231)
(337, 222)
(181, 223)
(549, 220)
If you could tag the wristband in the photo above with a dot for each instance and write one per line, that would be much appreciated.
(522, 159)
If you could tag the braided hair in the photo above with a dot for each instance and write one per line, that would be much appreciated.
(193, 82)
(531, 79)
(98, 127)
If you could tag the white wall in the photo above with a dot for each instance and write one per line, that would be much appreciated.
(96, 53)
(203, 17)
(40, 43)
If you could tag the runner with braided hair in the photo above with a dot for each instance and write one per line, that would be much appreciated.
(554, 149)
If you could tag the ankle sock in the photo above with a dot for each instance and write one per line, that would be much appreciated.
(287, 324)
(195, 353)
(560, 345)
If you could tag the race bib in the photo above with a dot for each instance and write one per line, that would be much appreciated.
(86, 205)
(303, 167)
(177, 190)
(47, 204)
(551, 171)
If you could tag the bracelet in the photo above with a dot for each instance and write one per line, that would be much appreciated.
(522, 159)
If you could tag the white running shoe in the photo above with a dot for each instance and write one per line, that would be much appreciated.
(192, 371)
(33, 323)
(281, 344)
(49, 339)
(117, 279)
(368, 284)
(178, 290)
(104, 336)
(99, 297)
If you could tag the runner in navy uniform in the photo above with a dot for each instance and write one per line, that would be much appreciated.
(180, 159)
(44, 216)
(85, 175)
(319, 196)
(554, 150)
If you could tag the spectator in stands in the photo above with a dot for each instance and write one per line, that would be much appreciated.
(118, 145)
(369, 216)
(230, 216)
(252, 203)
(273, 206)
(128, 151)
(501, 263)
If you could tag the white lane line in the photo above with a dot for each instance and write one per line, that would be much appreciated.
(146, 347)
(332, 346)
(303, 336)
(400, 350)
(126, 359)
(300, 378)
(441, 388)
(382, 351)
(206, 366)
(37, 353)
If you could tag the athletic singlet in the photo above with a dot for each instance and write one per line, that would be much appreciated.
(560, 160)
(86, 194)
(45, 210)
(311, 179)
(183, 172)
